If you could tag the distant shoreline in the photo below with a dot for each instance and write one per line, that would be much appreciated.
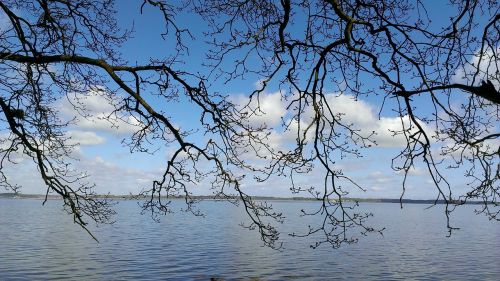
(260, 198)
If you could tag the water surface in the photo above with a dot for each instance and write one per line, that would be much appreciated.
(40, 243)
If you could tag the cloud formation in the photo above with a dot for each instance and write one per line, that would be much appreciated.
(100, 114)
(84, 138)
(488, 65)
(359, 113)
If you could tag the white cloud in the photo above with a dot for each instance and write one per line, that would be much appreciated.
(84, 138)
(353, 111)
(110, 177)
(413, 171)
(119, 126)
(363, 117)
(259, 83)
(489, 68)
(280, 139)
(356, 111)
(266, 111)
(100, 114)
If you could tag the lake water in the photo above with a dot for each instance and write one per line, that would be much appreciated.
(41, 243)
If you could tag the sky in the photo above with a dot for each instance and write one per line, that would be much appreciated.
(115, 170)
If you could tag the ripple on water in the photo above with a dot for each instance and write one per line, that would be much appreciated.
(41, 243)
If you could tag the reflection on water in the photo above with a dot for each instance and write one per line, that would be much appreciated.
(41, 243)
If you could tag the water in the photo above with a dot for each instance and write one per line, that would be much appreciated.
(40, 243)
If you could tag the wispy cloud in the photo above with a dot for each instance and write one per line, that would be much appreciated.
(100, 114)
(84, 138)
(351, 111)
(487, 64)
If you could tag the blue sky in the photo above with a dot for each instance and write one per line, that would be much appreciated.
(115, 170)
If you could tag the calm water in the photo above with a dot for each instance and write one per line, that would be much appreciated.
(40, 243)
